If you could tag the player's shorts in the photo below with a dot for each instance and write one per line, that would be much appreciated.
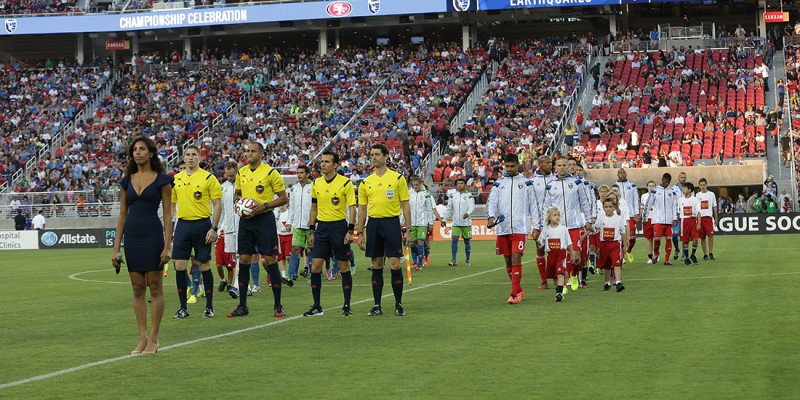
(632, 228)
(556, 263)
(462, 231)
(706, 227)
(575, 236)
(609, 255)
(419, 233)
(662, 230)
(689, 230)
(191, 235)
(647, 229)
(594, 240)
(258, 235)
(285, 247)
(224, 257)
(384, 238)
(300, 238)
(231, 242)
(508, 244)
(329, 240)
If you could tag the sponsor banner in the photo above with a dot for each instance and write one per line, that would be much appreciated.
(219, 16)
(484, 5)
(756, 224)
(76, 238)
(776, 16)
(479, 231)
(114, 45)
(19, 240)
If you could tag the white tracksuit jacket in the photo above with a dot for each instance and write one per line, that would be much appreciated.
(663, 205)
(421, 205)
(457, 205)
(300, 205)
(630, 194)
(569, 195)
(514, 198)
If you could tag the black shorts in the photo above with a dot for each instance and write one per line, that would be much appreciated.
(258, 235)
(384, 238)
(329, 241)
(191, 235)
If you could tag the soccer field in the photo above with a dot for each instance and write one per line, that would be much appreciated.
(719, 330)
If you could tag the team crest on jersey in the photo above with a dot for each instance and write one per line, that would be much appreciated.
(198, 195)
(259, 189)
(570, 186)
(520, 186)
(335, 201)
(461, 5)
(374, 6)
(389, 193)
(11, 25)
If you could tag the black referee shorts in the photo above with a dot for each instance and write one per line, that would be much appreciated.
(191, 235)
(258, 235)
(384, 238)
(329, 239)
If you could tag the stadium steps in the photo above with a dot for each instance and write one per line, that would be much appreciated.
(782, 175)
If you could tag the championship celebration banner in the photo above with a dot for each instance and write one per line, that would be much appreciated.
(77, 238)
(186, 18)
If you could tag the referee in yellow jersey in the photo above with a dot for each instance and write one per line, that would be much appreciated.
(332, 195)
(195, 191)
(258, 234)
(382, 195)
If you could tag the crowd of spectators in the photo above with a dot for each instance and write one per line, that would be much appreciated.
(34, 105)
(21, 7)
(676, 107)
(520, 113)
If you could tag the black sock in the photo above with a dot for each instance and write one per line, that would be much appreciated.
(316, 287)
(275, 281)
(650, 256)
(584, 272)
(347, 286)
(244, 282)
(694, 250)
(180, 280)
(559, 289)
(208, 282)
(397, 285)
(377, 285)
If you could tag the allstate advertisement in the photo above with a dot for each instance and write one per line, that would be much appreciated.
(76, 238)
(217, 16)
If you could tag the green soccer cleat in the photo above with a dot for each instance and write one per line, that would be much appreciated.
(575, 284)
(630, 258)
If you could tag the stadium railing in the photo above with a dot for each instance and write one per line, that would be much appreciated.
(87, 8)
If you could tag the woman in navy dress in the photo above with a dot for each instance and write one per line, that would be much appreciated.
(147, 241)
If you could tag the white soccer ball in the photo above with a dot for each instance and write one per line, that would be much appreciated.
(244, 207)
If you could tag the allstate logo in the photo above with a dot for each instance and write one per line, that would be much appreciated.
(49, 239)
(461, 5)
(374, 6)
(11, 25)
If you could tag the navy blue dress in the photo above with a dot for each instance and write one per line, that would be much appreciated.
(143, 235)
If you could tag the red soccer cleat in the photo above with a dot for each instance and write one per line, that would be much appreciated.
(543, 286)
(513, 299)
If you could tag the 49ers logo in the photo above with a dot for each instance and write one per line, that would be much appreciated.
(339, 9)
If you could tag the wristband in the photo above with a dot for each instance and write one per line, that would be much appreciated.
(312, 228)
(215, 228)
(266, 205)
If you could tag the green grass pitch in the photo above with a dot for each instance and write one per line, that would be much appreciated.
(721, 330)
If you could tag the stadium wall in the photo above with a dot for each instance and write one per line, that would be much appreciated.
(752, 174)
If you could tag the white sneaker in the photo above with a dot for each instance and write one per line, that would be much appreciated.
(256, 289)
(650, 261)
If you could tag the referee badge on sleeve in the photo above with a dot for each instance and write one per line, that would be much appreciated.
(389, 193)
(198, 195)
(260, 189)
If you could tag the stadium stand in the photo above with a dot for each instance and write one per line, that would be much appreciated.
(693, 104)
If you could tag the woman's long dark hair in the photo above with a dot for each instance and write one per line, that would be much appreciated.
(155, 163)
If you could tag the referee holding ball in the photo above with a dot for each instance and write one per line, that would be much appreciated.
(258, 234)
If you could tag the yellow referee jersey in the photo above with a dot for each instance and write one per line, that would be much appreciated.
(192, 195)
(332, 198)
(383, 195)
(261, 184)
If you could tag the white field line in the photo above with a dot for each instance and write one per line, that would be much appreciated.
(213, 337)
